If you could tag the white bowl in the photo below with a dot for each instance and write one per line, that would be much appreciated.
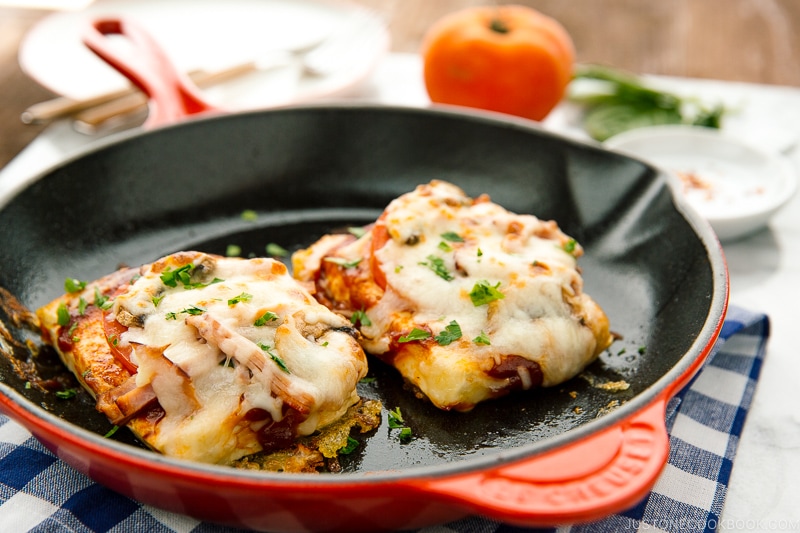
(734, 185)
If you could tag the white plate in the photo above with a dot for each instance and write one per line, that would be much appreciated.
(734, 185)
(207, 34)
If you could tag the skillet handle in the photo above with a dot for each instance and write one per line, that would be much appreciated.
(609, 472)
(171, 93)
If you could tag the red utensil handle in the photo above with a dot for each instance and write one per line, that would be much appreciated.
(606, 473)
(171, 93)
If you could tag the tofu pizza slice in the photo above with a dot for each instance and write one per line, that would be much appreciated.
(208, 358)
(466, 299)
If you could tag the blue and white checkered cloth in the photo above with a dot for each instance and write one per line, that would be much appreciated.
(40, 493)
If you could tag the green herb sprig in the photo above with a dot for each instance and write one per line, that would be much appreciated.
(623, 102)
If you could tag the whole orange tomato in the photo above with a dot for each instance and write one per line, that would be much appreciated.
(509, 58)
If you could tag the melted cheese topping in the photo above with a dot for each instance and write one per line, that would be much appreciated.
(245, 335)
(441, 245)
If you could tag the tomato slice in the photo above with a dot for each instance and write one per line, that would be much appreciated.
(380, 236)
(113, 331)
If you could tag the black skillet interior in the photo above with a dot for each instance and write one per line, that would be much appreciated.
(308, 171)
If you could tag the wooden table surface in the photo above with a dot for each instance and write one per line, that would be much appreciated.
(741, 40)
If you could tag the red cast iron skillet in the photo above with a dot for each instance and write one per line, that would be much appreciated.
(552, 456)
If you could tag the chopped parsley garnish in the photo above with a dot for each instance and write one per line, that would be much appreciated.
(276, 250)
(405, 435)
(72, 285)
(415, 335)
(480, 252)
(436, 264)
(275, 358)
(111, 432)
(171, 278)
(191, 310)
(350, 447)
(66, 394)
(396, 422)
(482, 293)
(483, 339)
(63, 315)
(156, 300)
(452, 237)
(396, 419)
(249, 215)
(443, 246)
(243, 297)
(360, 317)
(103, 302)
(451, 332)
(183, 275)
(642, 350)
(570, 246)
(233, 250)
(82, 305)
(269, 316)
(344, 263)
(356, 231)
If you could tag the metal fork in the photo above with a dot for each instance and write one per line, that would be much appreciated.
(361, 31)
